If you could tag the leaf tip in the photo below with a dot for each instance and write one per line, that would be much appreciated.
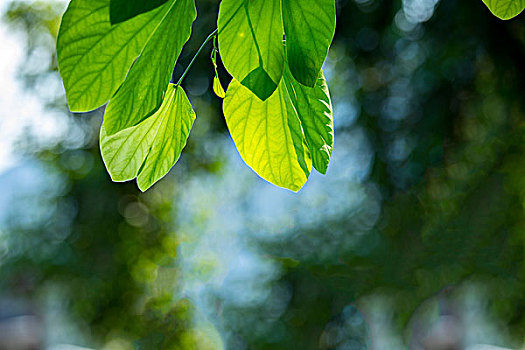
(295, 188)
(305, 80)
(143, 187)
(321, 169)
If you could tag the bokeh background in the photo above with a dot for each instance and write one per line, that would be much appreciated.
(414, 239)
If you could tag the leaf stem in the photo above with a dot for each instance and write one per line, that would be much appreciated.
(211, 36)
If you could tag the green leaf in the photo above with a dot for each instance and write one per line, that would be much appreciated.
(310, 27)
(94, 56)
(217, 87)
(268, 135)
(251, 43)
(142, 92)
(505, 9)
(314, 107)
(122, 10)
(150, 149)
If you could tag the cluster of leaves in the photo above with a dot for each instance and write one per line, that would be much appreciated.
(277, 106)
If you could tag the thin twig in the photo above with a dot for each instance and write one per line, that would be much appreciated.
(195, 57)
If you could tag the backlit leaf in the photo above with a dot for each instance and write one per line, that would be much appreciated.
(142, 92)
(314, 107)
(309, 27)
(149, 150)
(94, 56)
(250, 43)
(268, 135)
(217, 87)
(505, 9)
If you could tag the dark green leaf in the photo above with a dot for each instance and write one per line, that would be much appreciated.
(260, 83)
(122, 10)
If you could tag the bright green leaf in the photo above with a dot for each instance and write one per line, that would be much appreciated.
(251, 43)
(268, 135)
(310, 27)
(314, 107)
(142, 92)
(505, 9)
(93, 56)
(217, 87)
(149, 150)
(122, 10)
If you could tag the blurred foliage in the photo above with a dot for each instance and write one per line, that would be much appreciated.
(436, 94)
(443, 104)
(109, 249)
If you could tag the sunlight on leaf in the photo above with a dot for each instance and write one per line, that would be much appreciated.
(149, 150)
(505, 9)
(94, 56)
(250, 43)
(125, 52)
(142, 92)
(314, 107)
(268, 135)
(310, 27)
(217, 87)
